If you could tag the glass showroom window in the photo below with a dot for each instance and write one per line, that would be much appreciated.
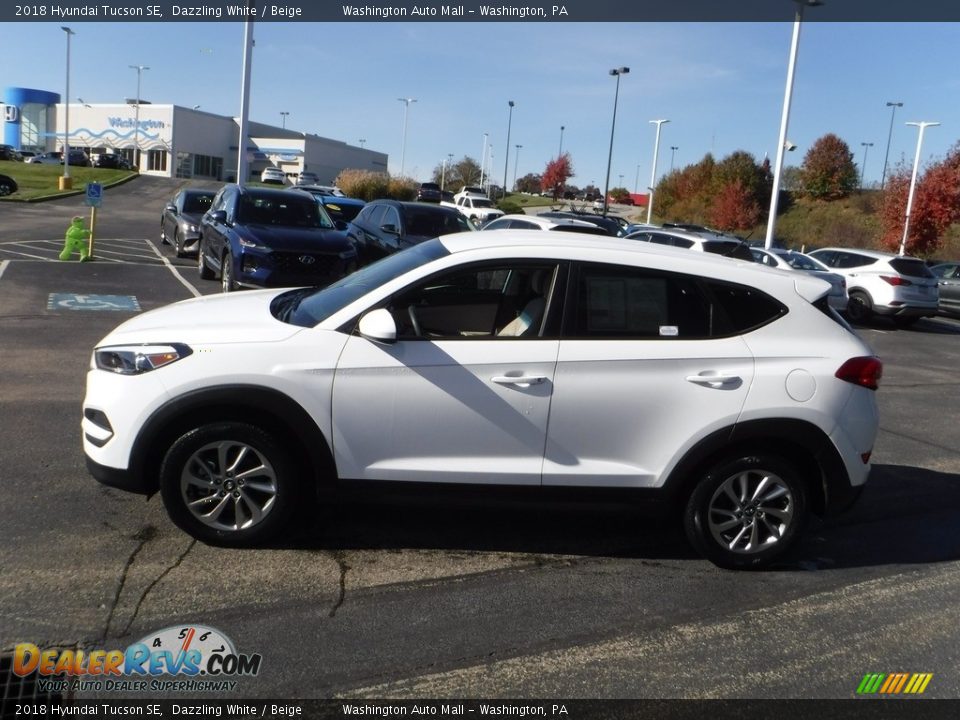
(157, 160)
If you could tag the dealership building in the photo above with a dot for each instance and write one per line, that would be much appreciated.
(174, 141)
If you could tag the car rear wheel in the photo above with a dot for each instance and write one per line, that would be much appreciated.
(859, 307)
(226, 274)
(205, 272)
(230, 484)
(746, 511)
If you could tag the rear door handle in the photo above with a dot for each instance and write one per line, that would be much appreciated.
(714, 380)
(519, 380)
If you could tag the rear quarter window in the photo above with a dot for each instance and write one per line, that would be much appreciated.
(911, 267)
(742, 308)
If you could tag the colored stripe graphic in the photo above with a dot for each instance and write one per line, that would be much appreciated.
(894, 683)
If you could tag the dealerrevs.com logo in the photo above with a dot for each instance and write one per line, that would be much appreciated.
(200, 658)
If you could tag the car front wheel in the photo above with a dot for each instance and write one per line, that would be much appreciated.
(205, 272)
(226, 274)
(230, 484)
(746, 512)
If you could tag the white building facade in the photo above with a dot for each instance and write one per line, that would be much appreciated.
(175, 141)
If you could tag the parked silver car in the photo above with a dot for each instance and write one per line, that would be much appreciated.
(793, 260)
(948, 280)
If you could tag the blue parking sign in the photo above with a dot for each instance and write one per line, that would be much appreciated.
(94, 194)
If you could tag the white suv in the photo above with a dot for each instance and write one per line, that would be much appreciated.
(728, 390)
(882, 283)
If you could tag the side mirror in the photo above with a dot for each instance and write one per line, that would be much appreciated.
(218, 216)
(340, 224)
(379, 326)
(171, 209)
(390, 229)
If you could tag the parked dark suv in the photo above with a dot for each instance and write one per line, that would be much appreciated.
(265, 237)
(386, 226)
(429, 192)
(8, 152)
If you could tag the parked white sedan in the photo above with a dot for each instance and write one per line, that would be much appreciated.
(725, 389)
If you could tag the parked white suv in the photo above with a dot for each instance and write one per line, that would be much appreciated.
(730, 391)
(882, 283)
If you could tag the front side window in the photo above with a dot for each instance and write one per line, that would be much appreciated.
(501, 300)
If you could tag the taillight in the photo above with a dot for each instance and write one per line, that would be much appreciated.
(863, 371)
(894, 280)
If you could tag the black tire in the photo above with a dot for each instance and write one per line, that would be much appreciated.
(755, 537)
(207, 462)
(906, 322)
(7, 186)
(205, 272)
(227, 283)
(859, 307)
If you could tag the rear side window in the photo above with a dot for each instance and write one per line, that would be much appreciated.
(852, 260)
(911, 267)
(741, 308)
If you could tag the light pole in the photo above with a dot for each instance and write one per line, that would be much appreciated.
(785, 118)
(65, 182)
(136, 121)
(673, 150)
(283, 115)
(653, 173)
(866, 146)
(516, 160)
(913, 181)
(443, 173)
(362, 141)
(403, 148)
(616, 95)
(506, 155)
(560, 151)
(893, 111)
(243, 132)
(483, 158)
(636, 180)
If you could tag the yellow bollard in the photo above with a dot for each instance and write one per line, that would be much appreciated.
(66, 183)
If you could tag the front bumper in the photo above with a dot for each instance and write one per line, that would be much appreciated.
(120, 479)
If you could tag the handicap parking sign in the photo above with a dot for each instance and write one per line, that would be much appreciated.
(94, 194)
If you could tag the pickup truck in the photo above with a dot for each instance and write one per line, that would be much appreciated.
(476, 208)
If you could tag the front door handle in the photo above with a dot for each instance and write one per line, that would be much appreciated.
(714, 380)
(519, 380)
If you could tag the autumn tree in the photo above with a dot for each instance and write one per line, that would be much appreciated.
(936, 205)
(465, 171)
(828, 171)
(556, 174)
(530, 183)
(735, 207)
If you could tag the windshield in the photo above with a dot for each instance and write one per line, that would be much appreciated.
(799, 261)
(308, 306)
(480, 203)
(284, 210)
(197, 203)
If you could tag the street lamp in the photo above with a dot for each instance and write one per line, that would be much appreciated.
(516, 159)
(866, 146)
(362, 141)
(403, 148)
(560, 151)
(443, 173)
(506, 155)
(913, 181)
(617, 72)
(785, 118)
(66, 183)
(283, 115)
(636, 180)
(653, 173)
(136, 122)
(673, 150)
(483, 158)
(893, 111)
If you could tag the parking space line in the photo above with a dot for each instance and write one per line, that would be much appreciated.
(173, 269)
(100, 252)
(3, 266)
(35, 257)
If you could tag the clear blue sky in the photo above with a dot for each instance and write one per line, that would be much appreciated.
(720, 84)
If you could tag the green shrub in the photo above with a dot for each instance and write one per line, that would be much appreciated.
(510, 207)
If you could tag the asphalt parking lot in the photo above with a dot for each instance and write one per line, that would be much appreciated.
(456, 599)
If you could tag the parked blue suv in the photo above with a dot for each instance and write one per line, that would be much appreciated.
(261, 237)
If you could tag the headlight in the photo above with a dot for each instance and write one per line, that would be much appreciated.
(250, 243)
(137, 359)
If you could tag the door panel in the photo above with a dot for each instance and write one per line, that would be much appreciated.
(462, 411)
